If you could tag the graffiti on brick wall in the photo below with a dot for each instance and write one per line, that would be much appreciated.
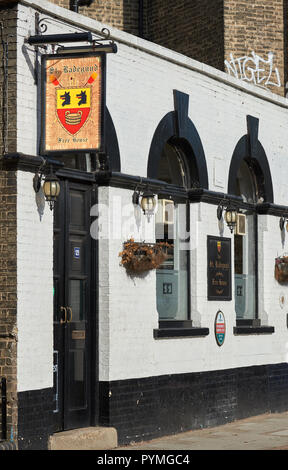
(255, 69)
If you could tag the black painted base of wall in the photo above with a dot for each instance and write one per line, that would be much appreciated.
(146, 408)
(142, 409)
(35, 419)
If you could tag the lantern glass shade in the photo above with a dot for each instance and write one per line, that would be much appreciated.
(148, 203)
(231, 218)
(51, 189)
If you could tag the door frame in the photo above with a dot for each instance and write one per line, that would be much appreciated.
(88, 179)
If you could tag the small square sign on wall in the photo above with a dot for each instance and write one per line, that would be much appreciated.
(76, 252)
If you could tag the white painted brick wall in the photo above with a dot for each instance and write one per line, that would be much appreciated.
(34, 289)
(141, 78)
(130, 313)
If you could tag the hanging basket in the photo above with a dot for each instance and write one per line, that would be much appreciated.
(139, 257)
(281, 269)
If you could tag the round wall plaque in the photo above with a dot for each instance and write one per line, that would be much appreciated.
(220, 328)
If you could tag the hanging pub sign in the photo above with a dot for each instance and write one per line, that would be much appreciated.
(219, 268)
(73, 103)
(220, 328)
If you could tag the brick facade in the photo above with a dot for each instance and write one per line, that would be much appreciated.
(209, 32)
(8, 296)
(128, 354)
(191, 28)
(257, 26)
(8, 17)
(8, 233)
(121, 14)
(35, 419)
(155, 406)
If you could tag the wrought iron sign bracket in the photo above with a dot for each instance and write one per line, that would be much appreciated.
(97, 41)
(100, 42)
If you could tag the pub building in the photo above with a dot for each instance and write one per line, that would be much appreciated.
(143, 225)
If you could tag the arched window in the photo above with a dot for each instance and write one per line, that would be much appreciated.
(172, 226)
(249, 178)
(177, 157)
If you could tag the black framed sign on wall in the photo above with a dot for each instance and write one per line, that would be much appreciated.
(219, 268)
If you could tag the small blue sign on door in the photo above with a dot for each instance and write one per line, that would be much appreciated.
(76, 252)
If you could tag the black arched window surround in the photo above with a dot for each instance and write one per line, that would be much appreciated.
(250, 178)
(176, 157)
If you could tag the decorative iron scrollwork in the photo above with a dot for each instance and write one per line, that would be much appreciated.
(42, 25)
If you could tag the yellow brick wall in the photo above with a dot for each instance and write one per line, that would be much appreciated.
(257, 26)
(121, 14)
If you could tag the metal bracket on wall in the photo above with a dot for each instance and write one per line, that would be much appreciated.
(98, 39)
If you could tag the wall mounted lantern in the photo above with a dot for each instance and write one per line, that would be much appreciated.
(148, 201)
(231, 218)
(51, 185)
(230, 214)
(282, 221)
(51, 189)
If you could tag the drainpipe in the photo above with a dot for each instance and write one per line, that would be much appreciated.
(140, 19)
(75, 4)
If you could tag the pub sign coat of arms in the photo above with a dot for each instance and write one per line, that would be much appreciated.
(73, 103)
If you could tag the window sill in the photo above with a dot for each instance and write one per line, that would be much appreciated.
(180, 332)
(251, 327)
(253, 330)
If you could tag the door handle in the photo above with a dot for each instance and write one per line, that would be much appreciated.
(70, 319)
(65, 315)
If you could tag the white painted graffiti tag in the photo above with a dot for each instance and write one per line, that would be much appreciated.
(254, 69)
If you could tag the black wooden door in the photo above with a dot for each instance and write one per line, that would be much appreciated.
(72, 307)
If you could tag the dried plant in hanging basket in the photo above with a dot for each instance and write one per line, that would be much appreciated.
(281, 269)
(138, 257)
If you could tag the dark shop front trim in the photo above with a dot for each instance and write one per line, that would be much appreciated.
(249, 148)
(35, 419)
(143, 409)
(177, 124)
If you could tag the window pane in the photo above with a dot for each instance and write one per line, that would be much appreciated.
(172, 166)
(172, 277)
(77, 382)
(245, 249)
(77, 161)
(245, 183)
(76, 299)
(245, 281)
